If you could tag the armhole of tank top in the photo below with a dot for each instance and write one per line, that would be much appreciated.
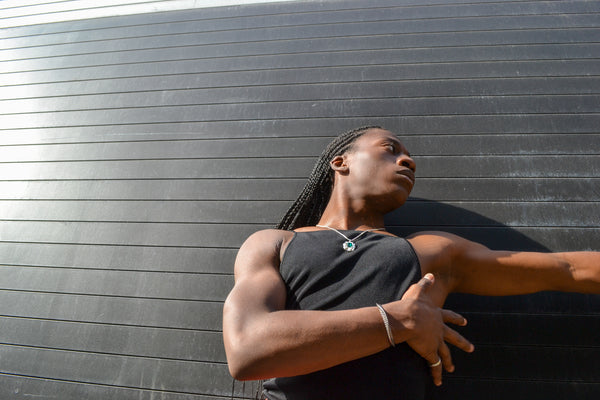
(415, 255)
(282, 256)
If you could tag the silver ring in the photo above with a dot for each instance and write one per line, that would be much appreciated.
(435, 364)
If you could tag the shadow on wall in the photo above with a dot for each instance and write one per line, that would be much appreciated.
(422, 214)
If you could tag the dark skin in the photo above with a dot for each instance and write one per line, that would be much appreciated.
(263, 340)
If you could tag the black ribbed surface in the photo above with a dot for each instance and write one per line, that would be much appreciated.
(137, 153)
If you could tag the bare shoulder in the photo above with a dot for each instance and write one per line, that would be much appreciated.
(268, 237)
(433, 240)
(262, 249)
(436, 249)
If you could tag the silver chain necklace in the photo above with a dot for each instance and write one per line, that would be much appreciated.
(349, 244)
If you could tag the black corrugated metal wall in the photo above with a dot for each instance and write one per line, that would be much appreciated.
(137, 152)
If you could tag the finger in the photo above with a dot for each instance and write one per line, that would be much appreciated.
(427, 280)
(416, 289)
(453, 318)
(458, 340)
(435, 365)
(444, 353)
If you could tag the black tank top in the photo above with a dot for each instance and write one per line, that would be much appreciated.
(320, 275)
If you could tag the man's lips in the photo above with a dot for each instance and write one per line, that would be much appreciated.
(407, 173)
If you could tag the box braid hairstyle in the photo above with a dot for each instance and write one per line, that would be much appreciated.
(310, 204)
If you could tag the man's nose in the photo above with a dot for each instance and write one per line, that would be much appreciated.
(406, 161)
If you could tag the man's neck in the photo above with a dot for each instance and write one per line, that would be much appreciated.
(342, 218)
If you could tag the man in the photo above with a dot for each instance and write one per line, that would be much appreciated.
(306, 308)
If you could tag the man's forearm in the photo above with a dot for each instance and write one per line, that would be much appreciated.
(289, 343)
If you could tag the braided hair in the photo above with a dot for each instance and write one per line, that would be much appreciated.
(310, 204)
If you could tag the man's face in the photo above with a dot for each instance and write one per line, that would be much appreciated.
(380, 169)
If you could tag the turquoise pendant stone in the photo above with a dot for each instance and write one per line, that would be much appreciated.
(349, 246)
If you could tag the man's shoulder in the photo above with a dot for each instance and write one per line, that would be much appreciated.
(268, 239)
(271, 234)
(433, 236)
(436, 243)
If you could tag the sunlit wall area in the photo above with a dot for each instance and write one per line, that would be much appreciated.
(142, 142)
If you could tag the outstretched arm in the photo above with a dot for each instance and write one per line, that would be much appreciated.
(469, 267)
(264, 340)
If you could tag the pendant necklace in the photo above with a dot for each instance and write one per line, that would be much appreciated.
(349, 244)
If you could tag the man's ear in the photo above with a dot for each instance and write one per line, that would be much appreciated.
(339, 164)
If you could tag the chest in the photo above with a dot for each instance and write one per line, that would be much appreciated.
(320, 275)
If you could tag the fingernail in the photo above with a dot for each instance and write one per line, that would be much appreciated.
(428, 276)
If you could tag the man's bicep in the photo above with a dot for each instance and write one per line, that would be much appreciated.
(264, 291)
(258, 285)
(257, 292)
